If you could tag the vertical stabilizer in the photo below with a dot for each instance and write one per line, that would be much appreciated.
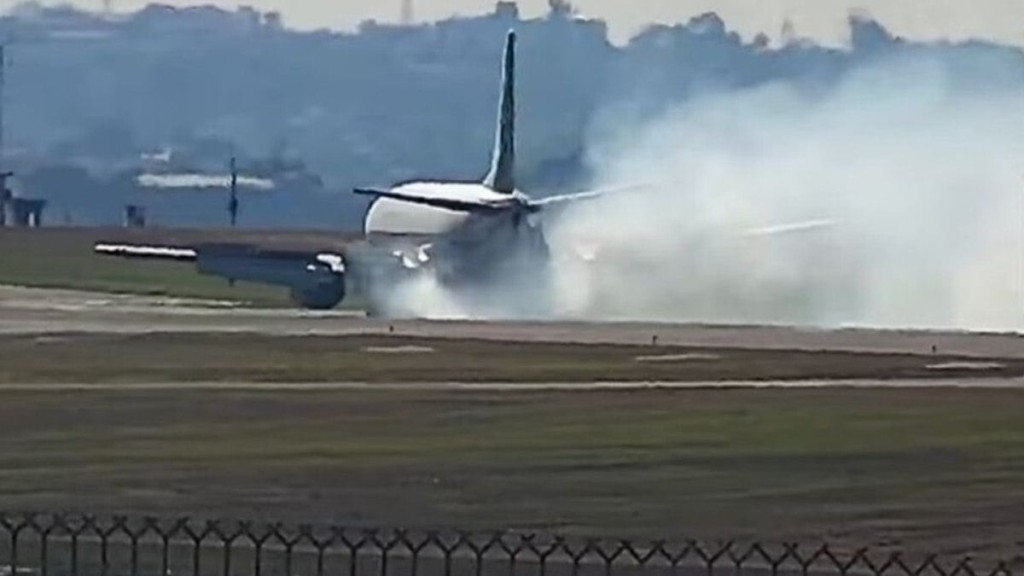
(501, 176)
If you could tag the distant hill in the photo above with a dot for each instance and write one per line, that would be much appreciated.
(87, 96)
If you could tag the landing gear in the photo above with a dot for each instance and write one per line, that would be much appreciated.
(506, 274)
(375, 274)
(511, 282)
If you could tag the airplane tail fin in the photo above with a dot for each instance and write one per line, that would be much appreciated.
(501, 176)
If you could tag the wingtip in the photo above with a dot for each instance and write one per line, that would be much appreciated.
(138, 250)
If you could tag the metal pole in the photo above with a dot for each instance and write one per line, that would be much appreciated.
(3, 78)
(233, 202)
(5, 193)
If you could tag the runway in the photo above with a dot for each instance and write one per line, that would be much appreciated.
(40, 311)
(124, 431)
(292, 387)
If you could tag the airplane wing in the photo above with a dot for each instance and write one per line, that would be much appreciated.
(142, 251)
(239, 261)
(457, 204)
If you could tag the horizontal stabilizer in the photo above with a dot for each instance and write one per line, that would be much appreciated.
(438, 201)
(142, 251)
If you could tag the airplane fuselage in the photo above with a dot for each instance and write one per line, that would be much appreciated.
(477, 238)
(418, 234)
(394, 217)
(462, 250)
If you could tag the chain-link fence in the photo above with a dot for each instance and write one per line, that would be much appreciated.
(63, 544)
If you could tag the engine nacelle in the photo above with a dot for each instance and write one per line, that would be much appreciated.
(322, 295)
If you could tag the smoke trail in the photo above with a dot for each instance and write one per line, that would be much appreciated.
(920, 167)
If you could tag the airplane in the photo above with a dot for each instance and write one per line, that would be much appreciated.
(466, 233)
(478, 239)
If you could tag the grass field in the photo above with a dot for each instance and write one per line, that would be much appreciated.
(923, 470)
(247, 357)
(63, 258)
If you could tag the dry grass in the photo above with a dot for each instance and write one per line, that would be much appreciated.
(925, 470)
(63, 258)
(920, 469)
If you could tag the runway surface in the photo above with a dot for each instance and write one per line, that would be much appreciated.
(40, 311)
(952, 383)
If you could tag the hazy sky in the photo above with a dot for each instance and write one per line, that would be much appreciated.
(820, 19)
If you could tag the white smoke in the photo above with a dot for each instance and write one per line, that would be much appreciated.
(919, 171)
(423, 296)
(922, 174)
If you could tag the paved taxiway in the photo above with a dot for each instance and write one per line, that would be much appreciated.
(38, 311)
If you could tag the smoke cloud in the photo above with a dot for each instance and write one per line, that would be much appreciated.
(893, 198)
(918, 168)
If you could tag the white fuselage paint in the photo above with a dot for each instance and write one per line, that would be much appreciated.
(392, 217)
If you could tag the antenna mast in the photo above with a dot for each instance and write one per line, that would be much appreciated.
(233, 201)
(3, 77)
(5, 192)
